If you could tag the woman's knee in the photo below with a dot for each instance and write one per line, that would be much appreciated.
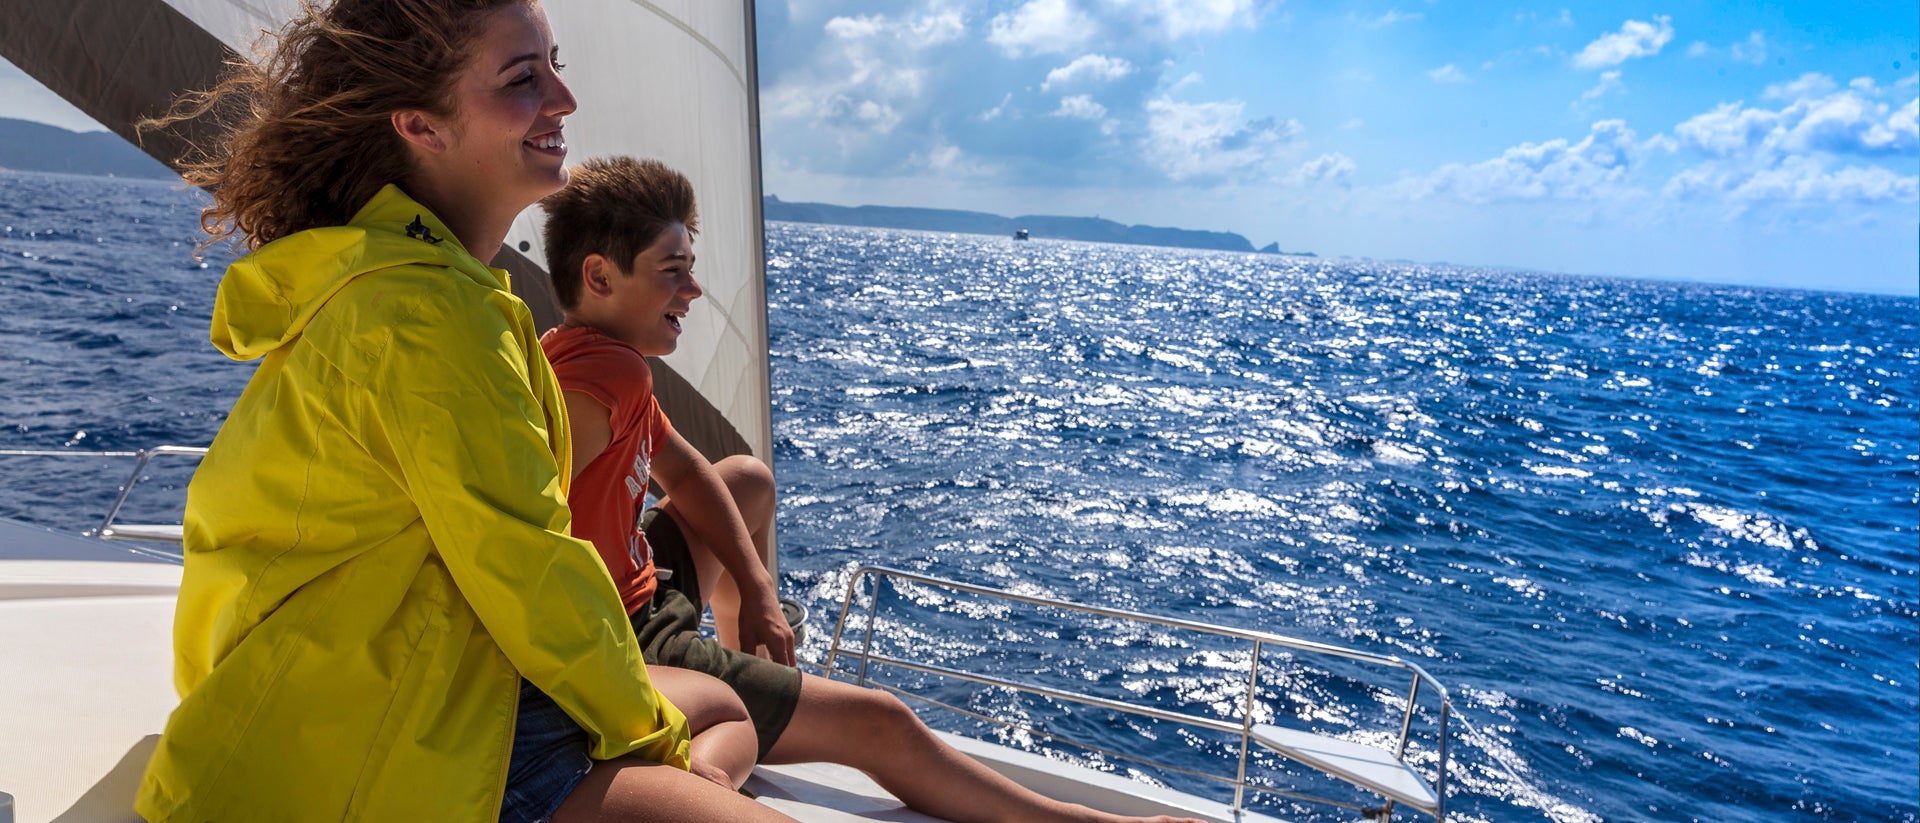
(706, 700)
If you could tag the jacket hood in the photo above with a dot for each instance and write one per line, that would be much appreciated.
(267, 298)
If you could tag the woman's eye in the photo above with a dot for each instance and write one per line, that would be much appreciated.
(559, 66)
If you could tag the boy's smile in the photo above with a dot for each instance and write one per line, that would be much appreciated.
(644, 305)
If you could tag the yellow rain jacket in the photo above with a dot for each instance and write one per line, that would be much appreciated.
(377, 547)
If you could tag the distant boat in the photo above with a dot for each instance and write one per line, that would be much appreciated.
(1020, 234)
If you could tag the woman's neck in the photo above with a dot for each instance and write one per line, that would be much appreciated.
(473, 221)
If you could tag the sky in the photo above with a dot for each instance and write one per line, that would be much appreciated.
(1767, 144)
(1761, 144)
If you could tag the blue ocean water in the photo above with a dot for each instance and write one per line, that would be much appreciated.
(1658, 539)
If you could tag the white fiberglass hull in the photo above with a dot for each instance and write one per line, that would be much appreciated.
(86, 682)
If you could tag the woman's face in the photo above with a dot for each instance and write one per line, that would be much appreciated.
(503, 137)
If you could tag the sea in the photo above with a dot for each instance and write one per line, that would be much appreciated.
(1656, 540)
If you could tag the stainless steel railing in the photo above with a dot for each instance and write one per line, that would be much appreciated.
(1244, 728)
(107, 530)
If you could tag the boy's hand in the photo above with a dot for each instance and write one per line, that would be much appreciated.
(762, 623)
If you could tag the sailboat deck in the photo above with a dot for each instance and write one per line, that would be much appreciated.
(87, 685)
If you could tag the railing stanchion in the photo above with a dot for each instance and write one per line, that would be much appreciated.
(140, 459)
(1246, 729)
(1440, 783)
(866, 643)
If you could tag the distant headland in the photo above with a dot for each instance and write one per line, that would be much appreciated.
(1037, 226)
(29, 146)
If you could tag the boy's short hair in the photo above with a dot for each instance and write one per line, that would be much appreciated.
(614, 207)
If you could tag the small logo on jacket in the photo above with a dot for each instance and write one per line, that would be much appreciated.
(420, 231)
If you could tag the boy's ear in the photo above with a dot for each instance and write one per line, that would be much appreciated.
(417, 127)
(596, 275)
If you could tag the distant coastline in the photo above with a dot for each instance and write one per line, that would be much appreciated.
(29, 146)
(1092, 229)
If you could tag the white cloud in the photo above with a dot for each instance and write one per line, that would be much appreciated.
(1391, 17)
(1177, 19)
(949, 162)
(1064, 27)
(1728, 129)
(1848, 123)
(929, 30)
(1806, 85)
(1040, 27)
(880, 115)
(1332, 169)
(1609, 83)
(1212, 140)
(1796, 180)
(871, 77)
(1447, 74)
(1594, 168)
(942, 157)
(1080, 107)
(1191, 79)
(1634, 39)
(856, 28)
(1817, 148)
(1754, 50)
(1564, 18)
(1819, 118)
(995, 112)
(1086, 68)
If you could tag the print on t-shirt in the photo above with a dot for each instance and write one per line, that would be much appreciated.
(638, 550)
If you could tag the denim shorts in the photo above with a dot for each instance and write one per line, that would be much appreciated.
(549, 759)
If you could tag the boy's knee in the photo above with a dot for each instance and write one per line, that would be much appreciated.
(746, 470)
(748, 478)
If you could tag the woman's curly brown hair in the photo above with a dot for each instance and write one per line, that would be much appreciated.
(308, 128)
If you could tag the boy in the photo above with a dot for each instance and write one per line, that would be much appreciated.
(619, 250)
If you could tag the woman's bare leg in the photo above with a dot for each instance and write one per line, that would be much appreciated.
(636, 790)
(750, 483)
(723, 735)
(874, 732)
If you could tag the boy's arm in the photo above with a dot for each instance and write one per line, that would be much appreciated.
(703, 502)
(592, 427)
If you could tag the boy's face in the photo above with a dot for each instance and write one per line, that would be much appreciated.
(649, 298)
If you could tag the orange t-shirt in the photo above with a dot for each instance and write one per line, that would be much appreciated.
(608, 496)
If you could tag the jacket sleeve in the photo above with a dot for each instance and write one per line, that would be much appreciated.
(457, 393)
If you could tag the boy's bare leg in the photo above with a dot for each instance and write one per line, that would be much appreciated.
(636, 789)
(723, 735)
(750, 483)
(874, 732)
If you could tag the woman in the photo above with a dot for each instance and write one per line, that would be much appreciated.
(381, 616)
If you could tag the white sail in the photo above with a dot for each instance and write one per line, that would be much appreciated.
(668, 79)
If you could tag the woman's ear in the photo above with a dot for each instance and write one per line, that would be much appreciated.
(418, 127)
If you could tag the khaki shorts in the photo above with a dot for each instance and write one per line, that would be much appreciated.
(669, 631)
